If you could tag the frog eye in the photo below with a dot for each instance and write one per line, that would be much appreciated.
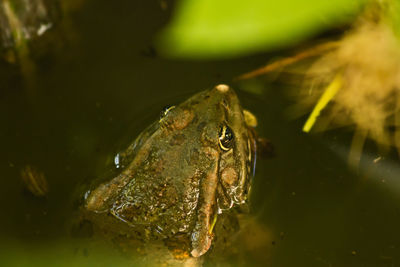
(225, 138)
(165, 111)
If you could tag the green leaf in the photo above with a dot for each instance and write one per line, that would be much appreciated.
(228, 28)
(394, 16)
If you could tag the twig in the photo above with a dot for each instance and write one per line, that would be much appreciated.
(316, 50)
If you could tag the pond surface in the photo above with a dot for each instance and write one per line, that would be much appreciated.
(108, 84)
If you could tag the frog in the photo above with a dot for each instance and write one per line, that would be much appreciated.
(193, 165)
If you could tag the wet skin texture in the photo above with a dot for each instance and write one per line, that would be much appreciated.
(185, 169)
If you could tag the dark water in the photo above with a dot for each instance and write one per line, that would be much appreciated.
(108, 83)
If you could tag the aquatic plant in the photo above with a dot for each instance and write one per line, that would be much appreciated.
(354, 81)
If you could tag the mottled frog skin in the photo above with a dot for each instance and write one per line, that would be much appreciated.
(194, 163)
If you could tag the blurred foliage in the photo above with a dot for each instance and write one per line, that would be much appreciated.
(25, 27)
(65, 253)
(24, 20)
(394, 15)
(228, 28)
(352, 82)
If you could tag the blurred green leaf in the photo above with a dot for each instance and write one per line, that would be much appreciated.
(228, 28)
(394, 16)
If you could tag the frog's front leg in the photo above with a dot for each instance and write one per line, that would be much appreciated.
(202, 234)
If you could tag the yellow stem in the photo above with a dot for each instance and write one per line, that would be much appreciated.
(327, 96)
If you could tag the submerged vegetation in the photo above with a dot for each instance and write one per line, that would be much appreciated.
(367, 61)
(22, 21)
(35, 30)
(353, 80)
(25, 27)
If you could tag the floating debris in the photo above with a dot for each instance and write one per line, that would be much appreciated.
(35, 181)
(354, 81)
(25, 20)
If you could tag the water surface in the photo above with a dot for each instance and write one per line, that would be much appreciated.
(108, 83)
